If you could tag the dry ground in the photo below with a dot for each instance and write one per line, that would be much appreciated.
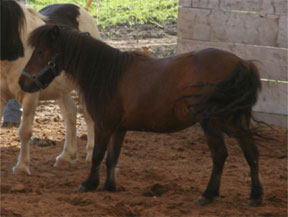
(157, 174)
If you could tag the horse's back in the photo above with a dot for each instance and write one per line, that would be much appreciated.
(71, 15)
(62, 14)
(214, 64)
(156, 93)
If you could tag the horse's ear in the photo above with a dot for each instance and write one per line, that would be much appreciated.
(55, 32)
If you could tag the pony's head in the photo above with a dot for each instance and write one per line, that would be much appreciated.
(12, 23)
(45, 62)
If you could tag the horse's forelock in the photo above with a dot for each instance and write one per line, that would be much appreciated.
(41, 34)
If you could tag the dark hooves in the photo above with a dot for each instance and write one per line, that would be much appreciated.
(82, 188)
(111, 188)
(255, 202)
(204, 201)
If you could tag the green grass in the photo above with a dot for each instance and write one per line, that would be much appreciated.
(130, 12)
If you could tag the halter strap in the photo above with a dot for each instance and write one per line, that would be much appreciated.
(51, 65)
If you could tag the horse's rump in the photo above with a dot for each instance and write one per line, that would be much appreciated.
(231, 102)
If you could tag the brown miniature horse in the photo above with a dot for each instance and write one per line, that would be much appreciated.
(132, 91)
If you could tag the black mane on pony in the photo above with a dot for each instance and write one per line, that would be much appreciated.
(12, 22)
(95, 66)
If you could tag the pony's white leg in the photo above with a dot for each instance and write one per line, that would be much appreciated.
(90, 132)
(29, 103)
(69, 112)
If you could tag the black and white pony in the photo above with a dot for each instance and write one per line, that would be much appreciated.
(17, 21)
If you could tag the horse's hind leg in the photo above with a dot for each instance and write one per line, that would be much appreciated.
(69, 111)
(219, 154)
(114, 150)
(251, 154)
(239, 127)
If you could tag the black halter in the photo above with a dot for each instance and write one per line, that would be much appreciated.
(51, 65)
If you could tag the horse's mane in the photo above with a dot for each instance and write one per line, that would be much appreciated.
(95, 66)
(12, 23)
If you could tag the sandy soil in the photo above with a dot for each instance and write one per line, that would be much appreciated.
(157, 174)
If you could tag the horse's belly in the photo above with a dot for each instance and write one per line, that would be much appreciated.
(161, 121)
(157, 127)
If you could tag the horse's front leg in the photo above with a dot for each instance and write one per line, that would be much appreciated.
(114, 150)
(29, 103)
(102, 138)
(69, 112)
(219, 155)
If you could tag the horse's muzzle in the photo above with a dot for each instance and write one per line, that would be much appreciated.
(30, 88)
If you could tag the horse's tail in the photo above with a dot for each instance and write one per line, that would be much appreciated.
(229, 105)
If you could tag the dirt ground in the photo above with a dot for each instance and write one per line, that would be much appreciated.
(157, 174)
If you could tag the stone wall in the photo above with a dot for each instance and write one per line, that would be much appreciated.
(252, 29)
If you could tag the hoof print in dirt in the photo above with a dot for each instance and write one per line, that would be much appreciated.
(42, 142)
(18, 188)
(156, 190)
(122, 209)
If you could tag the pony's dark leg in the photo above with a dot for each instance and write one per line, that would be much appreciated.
(101, 139)
(114, 150)
(219, 154)
(249, 148)
(251, 154)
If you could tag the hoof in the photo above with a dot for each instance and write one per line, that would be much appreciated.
(63, 164)
(204, 201)
(111, 188)
(18, 169)
(82, 188)
(63, 160)
(255, 202)
(88, 158)
(87, 186)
